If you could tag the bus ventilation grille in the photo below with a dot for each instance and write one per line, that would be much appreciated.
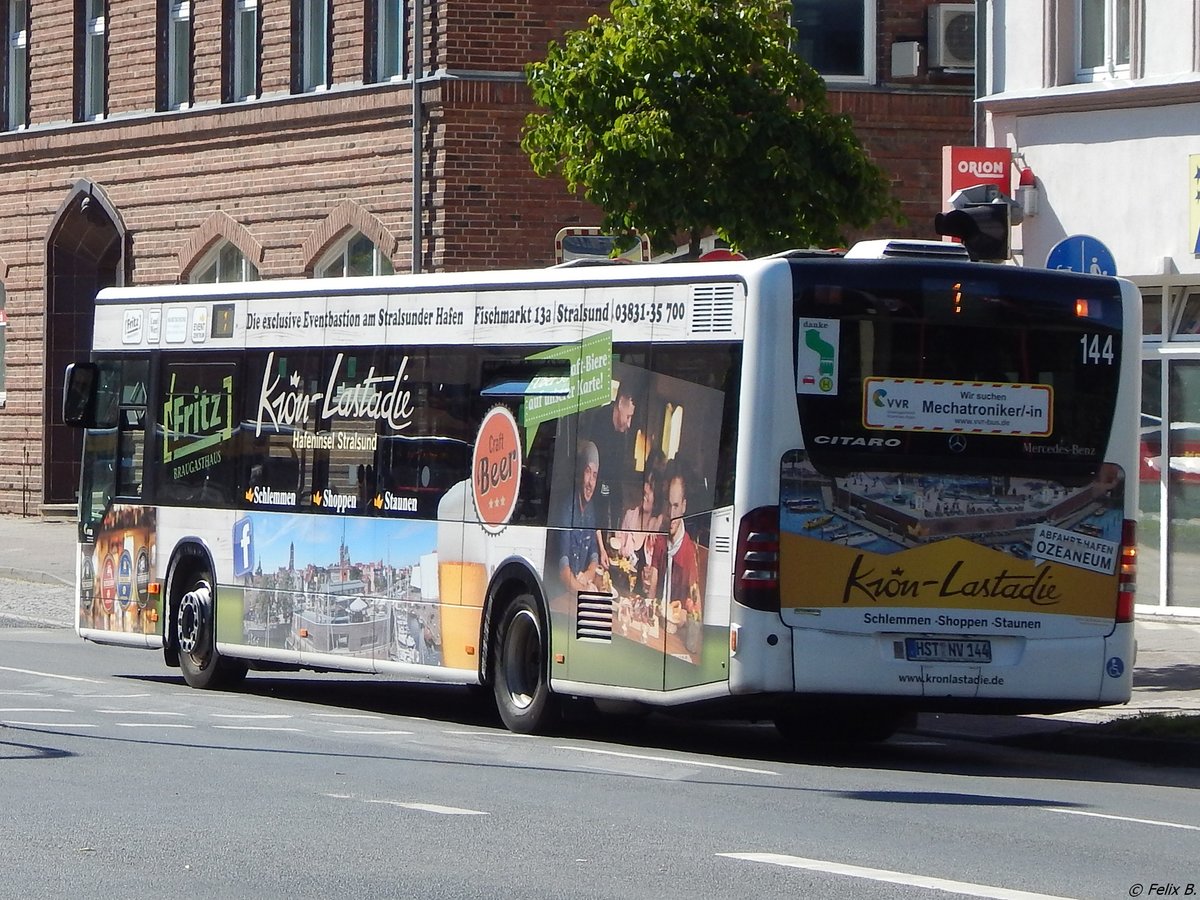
(721, 543)
(594, 617)
(712, 308)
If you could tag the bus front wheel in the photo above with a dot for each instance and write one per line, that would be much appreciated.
(195, 630)
(520, 682)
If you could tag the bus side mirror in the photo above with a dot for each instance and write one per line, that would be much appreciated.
(79, 395)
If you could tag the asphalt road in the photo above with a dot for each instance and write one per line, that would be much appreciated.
(119, 781)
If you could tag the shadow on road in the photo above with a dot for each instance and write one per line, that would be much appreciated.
(1178, 677)
(738, 742)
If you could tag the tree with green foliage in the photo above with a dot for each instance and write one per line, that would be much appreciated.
(689, 116)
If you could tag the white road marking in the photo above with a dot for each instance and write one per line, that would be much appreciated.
(432, 808)
(419, 807)
(479, 732)
(937, 884)
(24, 694)
(138, 712)
(366, 731)
(111, 696)
(152, 725)
(36, 709)
(344, 716)
(50, 675)
(46, 724)
(1096, 815)
(673, 760)
(250, 715)
(256, 728)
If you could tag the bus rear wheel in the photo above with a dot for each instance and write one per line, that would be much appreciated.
(520, 682)
(195, 630)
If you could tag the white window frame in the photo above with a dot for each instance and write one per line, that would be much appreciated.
(17, 65)
(389, 40)
(224, 263)
(95, 61)
(869, 40)
(1117, 24)
(245, 61)
(314, 45)
(335, 263)
(179, 54)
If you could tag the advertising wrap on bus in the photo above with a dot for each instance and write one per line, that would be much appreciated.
(806, 487)
(957, 554)
(962, 497)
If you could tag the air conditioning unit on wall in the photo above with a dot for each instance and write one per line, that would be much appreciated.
(952, 36)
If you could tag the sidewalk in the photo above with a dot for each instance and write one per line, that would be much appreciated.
(37, 573)
(37, 550)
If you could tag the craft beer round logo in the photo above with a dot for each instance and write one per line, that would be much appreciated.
(141, 579)
(108, 583)
(125, 579)
(496, 468)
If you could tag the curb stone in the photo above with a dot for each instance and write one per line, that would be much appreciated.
(1084, 741)
(33, 575)
(12, 620)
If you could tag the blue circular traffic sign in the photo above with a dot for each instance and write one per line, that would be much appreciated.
(1082, 253)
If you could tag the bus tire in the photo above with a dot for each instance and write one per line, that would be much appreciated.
(195, 630)
(519, 681)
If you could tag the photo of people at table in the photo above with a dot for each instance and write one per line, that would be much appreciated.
(630, 498)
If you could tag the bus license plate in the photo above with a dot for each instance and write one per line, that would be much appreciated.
(943, 650)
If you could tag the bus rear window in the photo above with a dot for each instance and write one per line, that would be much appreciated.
(954, 370)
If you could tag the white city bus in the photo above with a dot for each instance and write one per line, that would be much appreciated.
(826, 490)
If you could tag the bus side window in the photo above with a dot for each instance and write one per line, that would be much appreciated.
(131, 446)
(131, 429)
(270, 461)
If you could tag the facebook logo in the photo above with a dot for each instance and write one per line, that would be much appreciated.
(243, 547)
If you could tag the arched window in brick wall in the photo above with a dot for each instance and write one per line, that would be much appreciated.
(223, 263)
(220, 250)
(352, 255)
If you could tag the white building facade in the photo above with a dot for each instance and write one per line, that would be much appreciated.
(1100, 100)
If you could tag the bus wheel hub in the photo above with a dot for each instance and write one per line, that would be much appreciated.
(193, 613)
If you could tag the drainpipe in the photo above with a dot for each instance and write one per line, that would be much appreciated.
(418, 128)
(981, 69)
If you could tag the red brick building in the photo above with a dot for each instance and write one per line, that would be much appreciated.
(162, 141)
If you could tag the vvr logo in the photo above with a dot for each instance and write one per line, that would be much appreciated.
(880, 398)
(243, 547)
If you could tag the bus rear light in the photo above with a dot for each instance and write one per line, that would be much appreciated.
(756, 581)
(1127, 572)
